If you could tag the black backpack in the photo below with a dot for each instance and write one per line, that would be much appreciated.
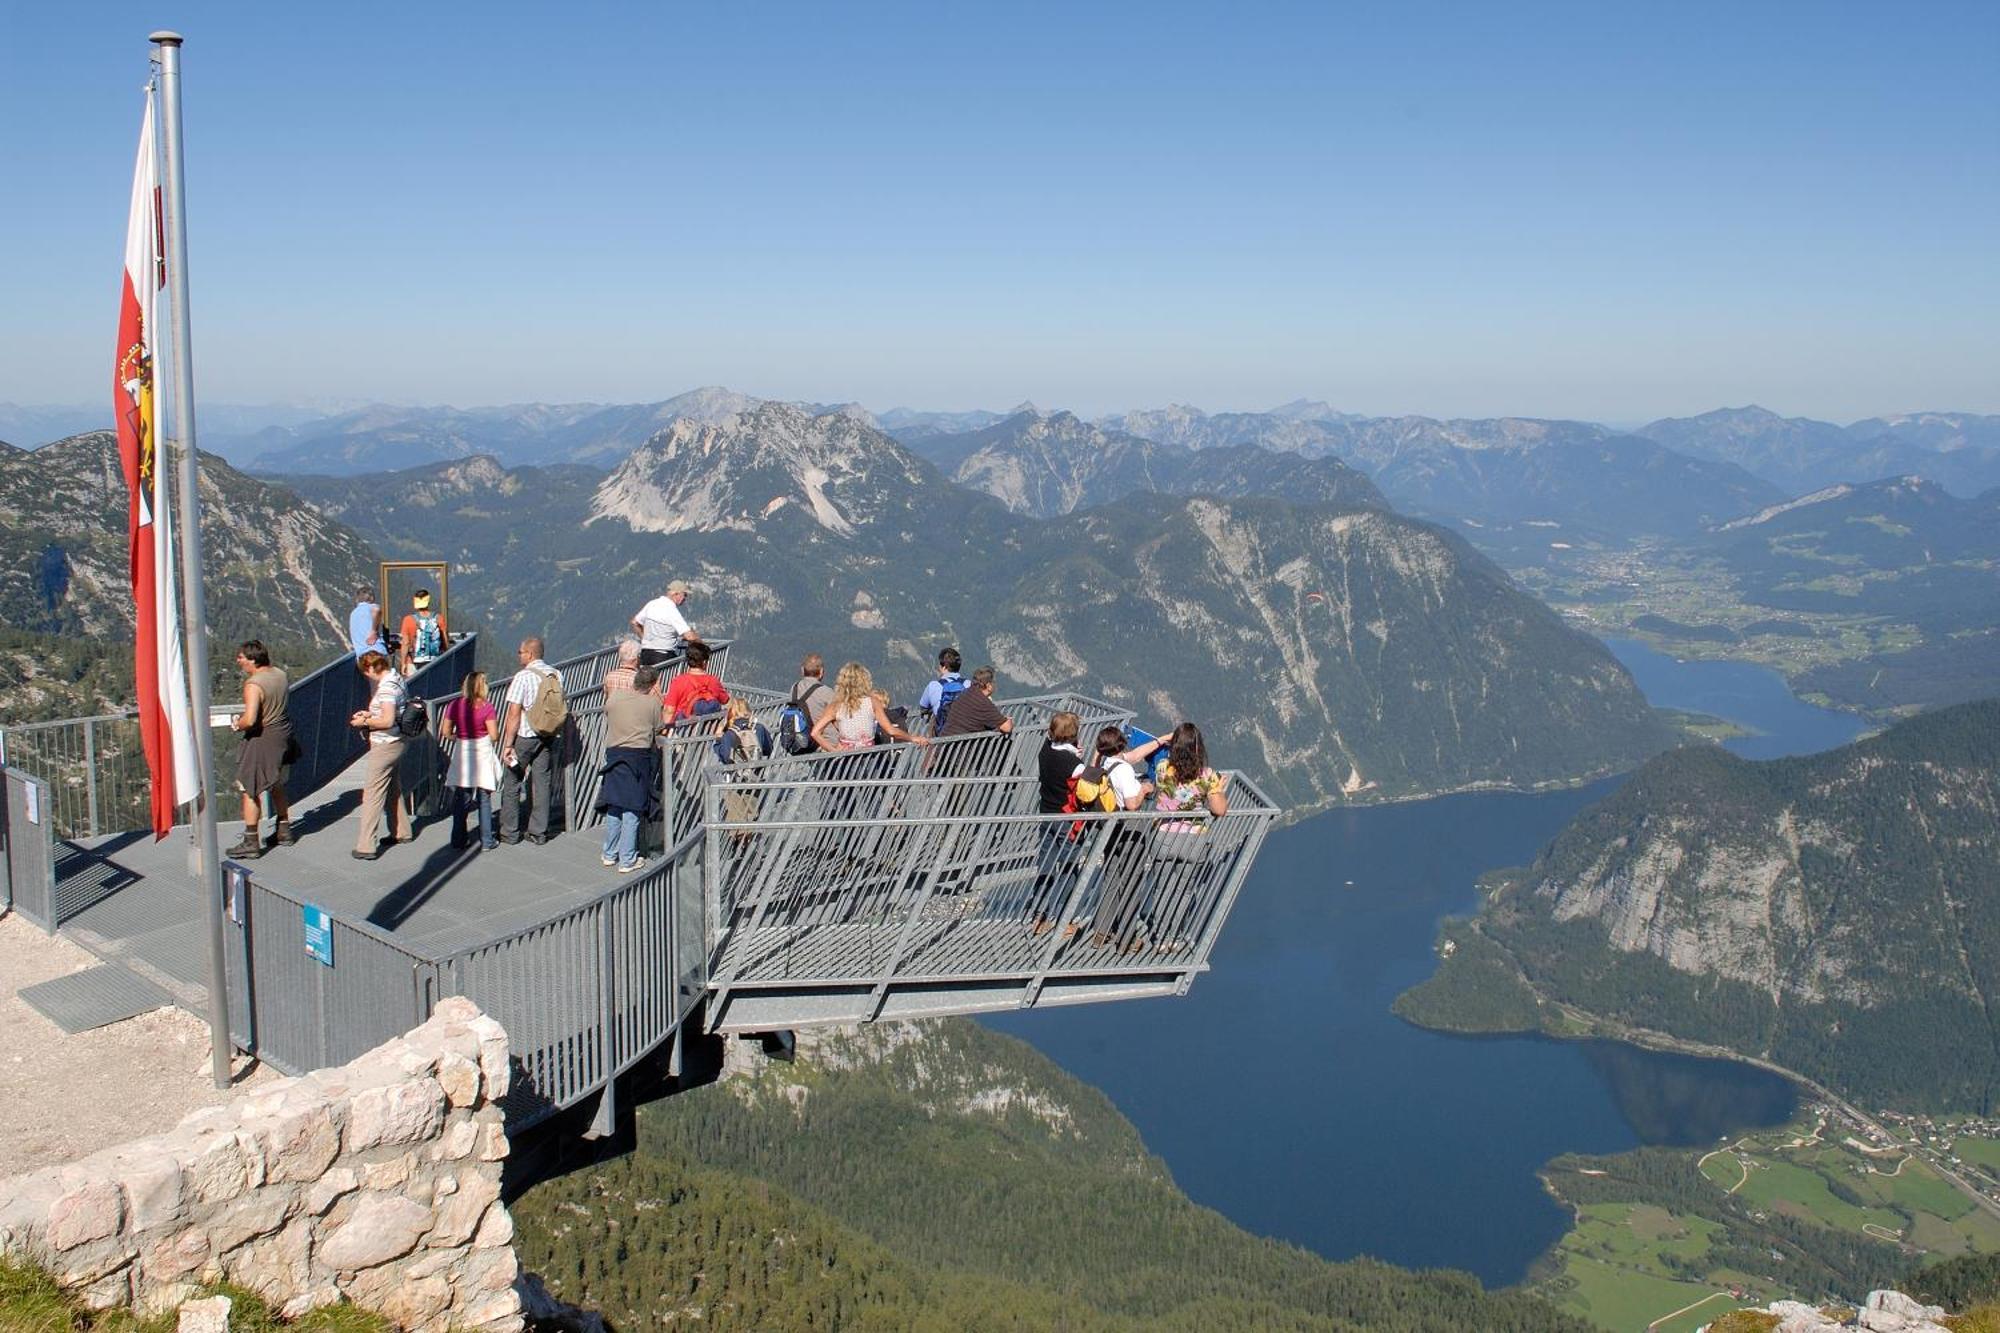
(413, 718)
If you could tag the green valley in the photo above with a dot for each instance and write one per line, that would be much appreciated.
(1806, 1211)
(939, 1176)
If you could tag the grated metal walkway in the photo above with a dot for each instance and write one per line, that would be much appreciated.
(147, 910)
(94, 997)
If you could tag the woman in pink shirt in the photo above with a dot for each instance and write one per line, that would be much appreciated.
(472, 721)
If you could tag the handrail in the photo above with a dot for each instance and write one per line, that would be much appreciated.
(897, 879)
(685, 846)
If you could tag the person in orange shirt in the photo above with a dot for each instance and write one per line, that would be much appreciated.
(424, 635)
(696, 690)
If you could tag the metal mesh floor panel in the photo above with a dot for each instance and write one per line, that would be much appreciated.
(152, 903)
(93, 997)
(180, 951)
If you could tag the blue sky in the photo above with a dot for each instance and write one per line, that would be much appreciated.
(1603, 211)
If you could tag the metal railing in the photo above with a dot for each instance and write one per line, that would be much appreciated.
(858, 887)
(583, 995)
(298, 1013)
(95, 767)
(624, 992)
(844, 886)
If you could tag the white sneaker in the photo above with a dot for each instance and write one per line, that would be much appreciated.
(630, 866)
(609, 860)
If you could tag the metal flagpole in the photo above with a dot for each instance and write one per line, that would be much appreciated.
(194, 606)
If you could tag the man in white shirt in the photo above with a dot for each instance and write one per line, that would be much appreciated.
(526, 755)
(661, 626)
(379, 785)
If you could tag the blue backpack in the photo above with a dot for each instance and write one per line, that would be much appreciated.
(795, 723)
(953, 686)
(430, 638)
(1135, 738)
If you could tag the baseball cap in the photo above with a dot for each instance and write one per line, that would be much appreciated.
(679, 586)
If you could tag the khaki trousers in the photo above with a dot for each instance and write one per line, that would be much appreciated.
(380, 788)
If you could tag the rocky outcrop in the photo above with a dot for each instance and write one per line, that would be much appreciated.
(1883, 1312)
(1781, 874)
(1824, 912)
(377, 1182)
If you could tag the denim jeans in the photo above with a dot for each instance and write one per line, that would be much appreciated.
(621, 836)
(482, 799)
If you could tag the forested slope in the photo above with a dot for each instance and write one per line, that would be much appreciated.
(939, 1176)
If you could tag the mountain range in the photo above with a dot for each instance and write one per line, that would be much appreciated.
(1385, 656)
(1831, 912)
(1903, 548)
(278, 569)
(1959, 451)
(1049, 465)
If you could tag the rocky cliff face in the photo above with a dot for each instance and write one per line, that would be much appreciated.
(748, 467)
(1833, 911)
(277, 569)
(1797, 876)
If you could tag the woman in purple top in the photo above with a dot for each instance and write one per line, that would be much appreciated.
(472, 721)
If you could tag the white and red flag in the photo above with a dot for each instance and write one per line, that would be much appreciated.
(166, 727)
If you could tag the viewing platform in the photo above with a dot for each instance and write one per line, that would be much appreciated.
(896, 882)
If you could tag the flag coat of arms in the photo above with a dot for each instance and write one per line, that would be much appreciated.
(166, 727)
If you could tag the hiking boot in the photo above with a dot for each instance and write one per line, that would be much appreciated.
(282, 835)
(247, 850)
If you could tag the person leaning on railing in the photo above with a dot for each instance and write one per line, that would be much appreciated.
(629, 786)
(1124, 877)
(852, 717)
(661, 626)
(1185, 784)
(380, 785)
(1056, 860)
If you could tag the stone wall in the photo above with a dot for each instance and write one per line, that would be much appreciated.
(378, 1181)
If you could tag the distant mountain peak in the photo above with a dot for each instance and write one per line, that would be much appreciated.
(765, 463)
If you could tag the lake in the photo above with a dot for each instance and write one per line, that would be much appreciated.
(1283, 1093)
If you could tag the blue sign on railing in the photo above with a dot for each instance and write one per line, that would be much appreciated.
(319, 934)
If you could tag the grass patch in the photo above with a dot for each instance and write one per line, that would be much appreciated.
(1725, 1169)
(1803, 1193)
(31, 1302)
(1981, 1230)
(1922, 1190)
(1618, 1298)
(1985, 1152)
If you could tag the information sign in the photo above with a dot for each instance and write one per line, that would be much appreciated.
(319, 934)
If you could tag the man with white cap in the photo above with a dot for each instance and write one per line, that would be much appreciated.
(661, 626)
(424, 636)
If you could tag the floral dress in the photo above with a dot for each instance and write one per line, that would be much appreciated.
(1170, 793)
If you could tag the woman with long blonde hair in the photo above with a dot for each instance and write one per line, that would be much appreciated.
(474, 723)
(850, 720)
